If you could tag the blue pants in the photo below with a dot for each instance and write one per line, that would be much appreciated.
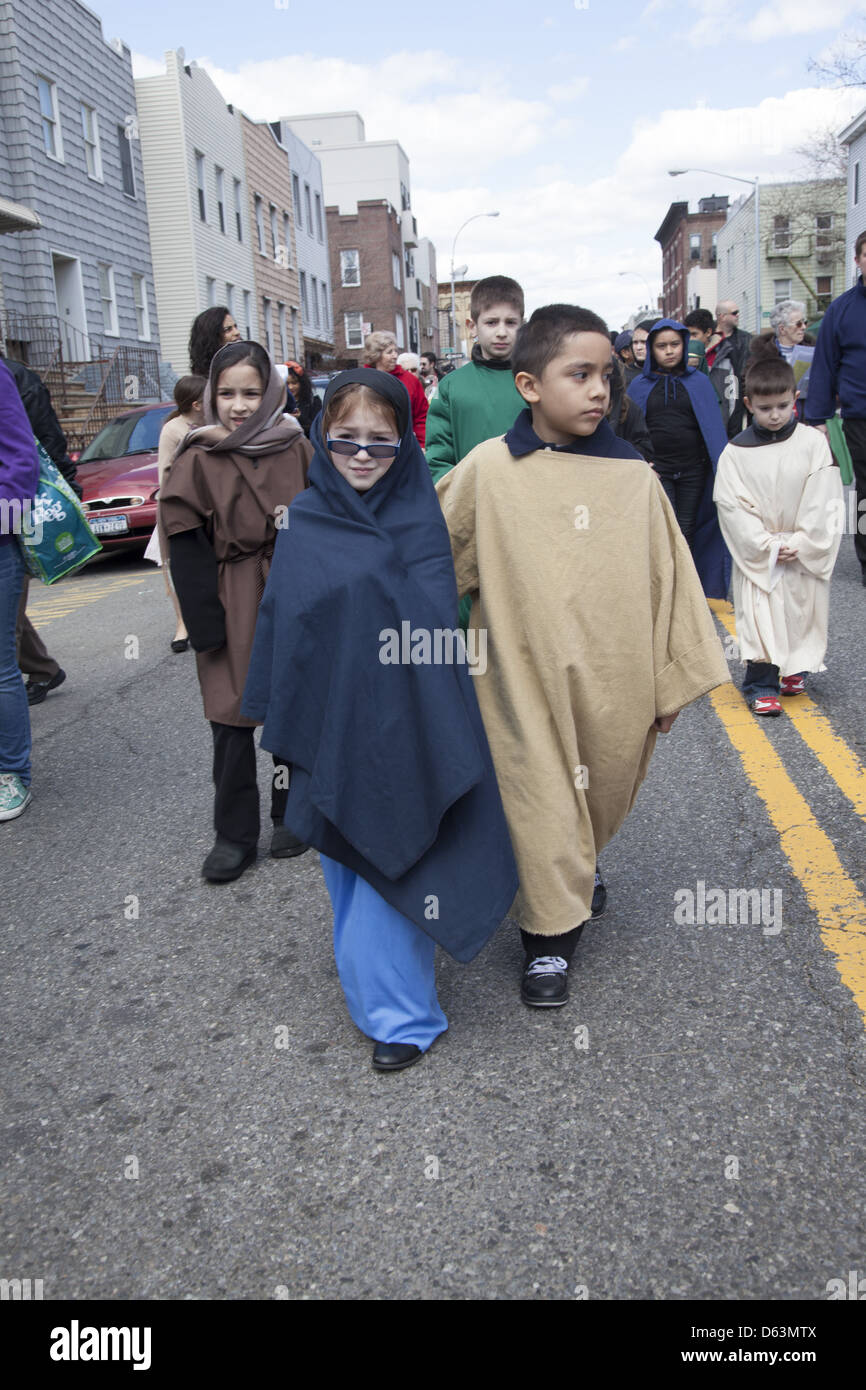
(14, 710)
(385, 963)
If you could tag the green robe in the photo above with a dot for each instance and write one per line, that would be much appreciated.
(474, 403)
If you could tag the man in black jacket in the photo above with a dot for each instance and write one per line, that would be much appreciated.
(43, 671)
(733, 348)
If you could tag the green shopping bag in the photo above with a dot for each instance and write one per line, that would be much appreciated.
(839, 445)
(57, 540)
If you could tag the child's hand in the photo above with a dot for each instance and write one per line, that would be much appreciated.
(665, 722)
(785, 554)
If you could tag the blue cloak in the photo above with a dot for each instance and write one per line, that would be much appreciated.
(391, 772)
(710, 554)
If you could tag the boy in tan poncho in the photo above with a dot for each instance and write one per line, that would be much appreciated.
(779, 499)
(598, 632)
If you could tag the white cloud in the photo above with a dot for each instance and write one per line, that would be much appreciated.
(142, 66)
(627, 41)
(568, 91)
(786, 17)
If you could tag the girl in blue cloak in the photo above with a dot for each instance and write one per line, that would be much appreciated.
(684, 419)
(361, 679)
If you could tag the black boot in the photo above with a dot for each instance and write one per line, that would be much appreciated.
(227, 861)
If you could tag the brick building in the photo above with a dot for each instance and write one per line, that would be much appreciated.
(688, 243)
(367, 266)
(271, 221)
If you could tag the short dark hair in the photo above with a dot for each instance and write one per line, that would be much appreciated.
(859, 243)
(496, 289)
(769, 376)
(701, 319)
(539, 340)
(647, 324)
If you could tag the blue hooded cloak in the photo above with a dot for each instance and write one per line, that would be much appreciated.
(710, 554)
(391, 772)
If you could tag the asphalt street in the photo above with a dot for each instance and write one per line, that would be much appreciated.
(189, 1112)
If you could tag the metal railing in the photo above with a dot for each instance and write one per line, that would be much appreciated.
(130, 377)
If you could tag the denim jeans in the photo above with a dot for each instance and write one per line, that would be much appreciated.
(14, 710)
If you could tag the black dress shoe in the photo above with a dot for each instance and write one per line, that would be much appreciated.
(180, 644)
(37, 690)
(599, 895)
(545, 982)
(285, 845)
(395, 1056)
(227, 861)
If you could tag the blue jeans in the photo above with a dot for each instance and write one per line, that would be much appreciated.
(14, 710)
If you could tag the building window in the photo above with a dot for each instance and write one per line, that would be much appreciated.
(824, 231)
(142, 317)
(281, 319)
(395, 270)
(109, 299)
(260, 224)
(127, 173)
(248, 322)
(199, 180)
(48, 109)
(309, 207)
(404, 197)
(400, 331)
(285, 258)
(781, 233)
(296, 199)
(350, 267)
(90, 129)
(275, 236)
(856, 196)
(781, 290)
(266, 314)
(354, 326)
(296, 342)
(695, 246)
(305, 312)
(221, 198)
(230, 298)
(314, 291)
(210, 291)
(325, 316)
(239, 225)
(320, 231)
(824, 290)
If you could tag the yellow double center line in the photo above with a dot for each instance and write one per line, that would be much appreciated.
(831, 893)
(75, 594)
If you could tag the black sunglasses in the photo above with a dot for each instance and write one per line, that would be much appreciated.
(349, 447)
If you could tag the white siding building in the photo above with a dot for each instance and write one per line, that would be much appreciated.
(854, 136)
(311, 241)
(197, 204)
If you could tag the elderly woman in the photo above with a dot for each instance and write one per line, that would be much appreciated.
(786, 334)
(380, 351)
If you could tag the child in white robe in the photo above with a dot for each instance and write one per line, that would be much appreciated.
(779, 498)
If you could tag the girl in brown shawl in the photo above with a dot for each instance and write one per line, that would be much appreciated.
(229, 489)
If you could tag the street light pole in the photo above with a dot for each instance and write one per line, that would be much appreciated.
(638, 275)
(754, 184)
(453, 249)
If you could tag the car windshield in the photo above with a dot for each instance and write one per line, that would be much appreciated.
(128, 434)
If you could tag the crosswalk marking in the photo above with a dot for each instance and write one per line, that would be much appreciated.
(831, 893)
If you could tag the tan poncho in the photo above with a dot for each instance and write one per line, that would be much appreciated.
(596, 624)
(786, 493)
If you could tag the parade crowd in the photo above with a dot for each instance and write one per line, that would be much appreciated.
(565, 504)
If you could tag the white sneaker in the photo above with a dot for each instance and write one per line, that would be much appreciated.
(14, 796)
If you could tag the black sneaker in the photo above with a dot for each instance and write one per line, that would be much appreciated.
(599, 895)
(285, 845)
(37, 690)
(545, 982)
(227, 861)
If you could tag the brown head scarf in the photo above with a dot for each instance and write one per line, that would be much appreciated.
(266, 430)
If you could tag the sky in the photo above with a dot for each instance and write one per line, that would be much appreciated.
(563, 116)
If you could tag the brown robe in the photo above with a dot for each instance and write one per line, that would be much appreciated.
(238, 500)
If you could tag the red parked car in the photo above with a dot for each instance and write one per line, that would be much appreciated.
(117, 472)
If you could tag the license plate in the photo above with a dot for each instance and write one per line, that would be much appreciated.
(108, 525)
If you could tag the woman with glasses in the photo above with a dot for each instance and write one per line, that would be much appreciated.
(787, 338)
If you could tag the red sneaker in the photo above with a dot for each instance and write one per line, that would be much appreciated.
(765, 704)
(793, 685)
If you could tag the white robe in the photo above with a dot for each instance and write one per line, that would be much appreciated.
(788, 493)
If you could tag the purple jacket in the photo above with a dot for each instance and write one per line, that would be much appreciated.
(19, 462)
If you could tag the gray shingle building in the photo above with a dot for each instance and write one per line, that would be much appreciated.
(69, 150)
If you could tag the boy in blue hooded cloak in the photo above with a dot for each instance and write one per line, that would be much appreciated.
(684, 419)
(361, 678)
